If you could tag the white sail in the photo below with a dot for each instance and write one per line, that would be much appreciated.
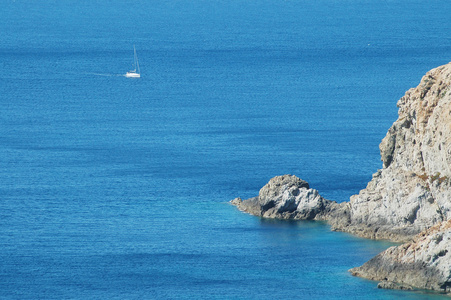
(135, 73)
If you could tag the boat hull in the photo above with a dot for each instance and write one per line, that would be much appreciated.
(132, 75)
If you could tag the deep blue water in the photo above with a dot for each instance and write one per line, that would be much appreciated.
(116, 188)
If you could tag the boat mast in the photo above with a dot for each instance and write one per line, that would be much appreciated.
(136, 59)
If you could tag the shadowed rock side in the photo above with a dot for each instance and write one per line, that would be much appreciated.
(424, 263)
(413, 190)
(288, 197)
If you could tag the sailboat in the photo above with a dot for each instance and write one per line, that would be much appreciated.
(135, 73)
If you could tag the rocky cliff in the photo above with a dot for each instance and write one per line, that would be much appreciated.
(412, 192)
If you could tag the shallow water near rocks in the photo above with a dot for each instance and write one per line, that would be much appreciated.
(118, 188)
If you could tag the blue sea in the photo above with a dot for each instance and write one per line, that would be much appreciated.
(118, 188)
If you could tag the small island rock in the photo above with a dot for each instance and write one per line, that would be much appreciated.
(287, 197)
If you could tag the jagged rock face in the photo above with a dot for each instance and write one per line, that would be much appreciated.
(413, 190)
(287, 197)
(282, 193)
(424, 263)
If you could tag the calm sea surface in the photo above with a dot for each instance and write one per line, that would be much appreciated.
(117, 188)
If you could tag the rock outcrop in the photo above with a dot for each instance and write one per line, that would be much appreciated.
(289, 197)
(424, 263)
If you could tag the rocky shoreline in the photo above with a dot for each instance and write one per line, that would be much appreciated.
(408, 200)
(423, 263)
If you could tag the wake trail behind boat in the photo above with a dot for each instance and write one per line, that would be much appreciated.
(104, 74)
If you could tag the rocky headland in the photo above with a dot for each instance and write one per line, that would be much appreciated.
(408, 200)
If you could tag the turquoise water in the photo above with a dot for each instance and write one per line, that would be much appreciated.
(116, 188)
